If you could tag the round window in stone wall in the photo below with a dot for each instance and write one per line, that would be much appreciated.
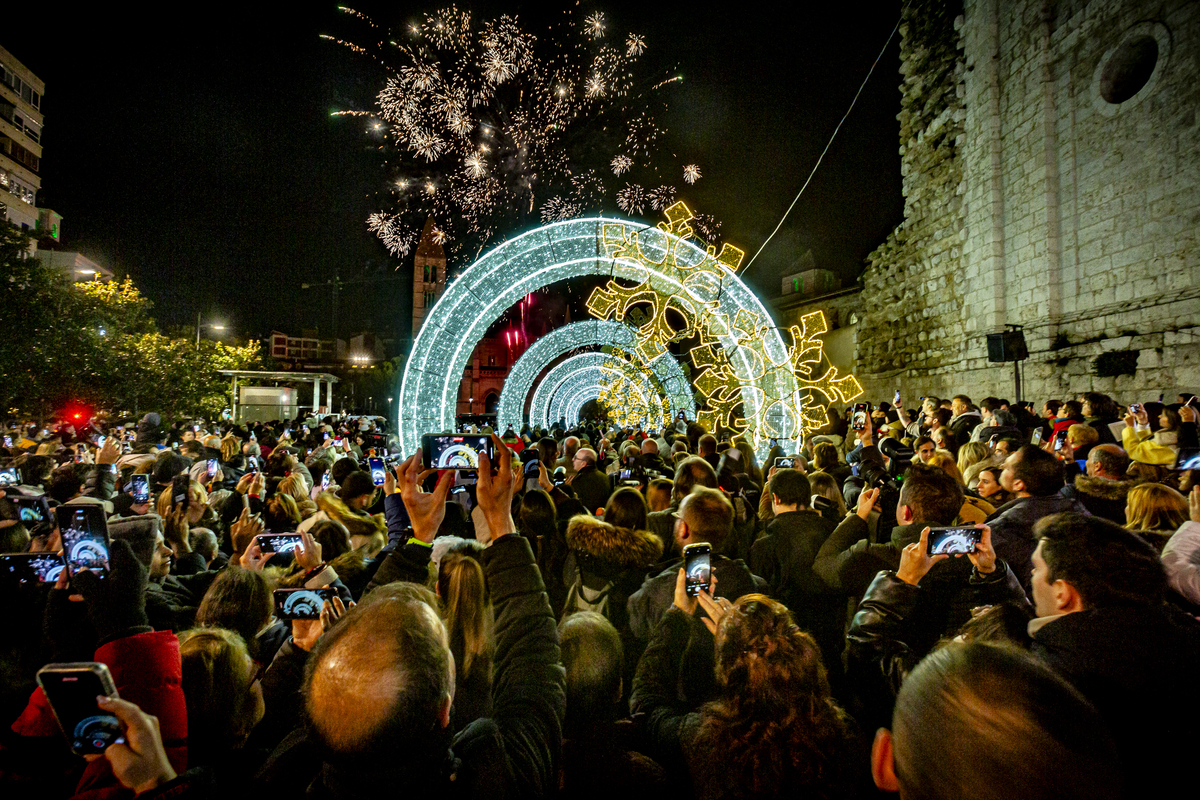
(1128, 72)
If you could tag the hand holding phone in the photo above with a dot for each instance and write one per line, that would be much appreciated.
(697, 567)
(72, 690)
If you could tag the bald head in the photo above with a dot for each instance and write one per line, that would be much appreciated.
(570, 446)
(707, 445)
(649, 447)
(1107, 461)
(382, 679)
(587, 457)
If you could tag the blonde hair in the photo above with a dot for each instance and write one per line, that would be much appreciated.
(230, 447)
(466, 606)
(1082, 435)
(196, 495)
(970, 454)
(1154, 507)
(945, 462)
(294, 487)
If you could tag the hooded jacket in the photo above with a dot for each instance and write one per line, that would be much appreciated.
(1159, 448)
(1102, 497)
(603, 554)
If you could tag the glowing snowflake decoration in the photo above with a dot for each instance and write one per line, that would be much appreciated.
(691, 173)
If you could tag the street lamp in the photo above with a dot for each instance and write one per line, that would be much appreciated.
(211, 326)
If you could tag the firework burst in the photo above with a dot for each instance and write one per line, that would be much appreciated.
(691, 173)
(487, 125)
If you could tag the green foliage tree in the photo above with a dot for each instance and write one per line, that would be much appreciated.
(97, 343)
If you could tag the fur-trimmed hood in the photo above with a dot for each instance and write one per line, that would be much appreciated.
(1104, 488)
(620, 547)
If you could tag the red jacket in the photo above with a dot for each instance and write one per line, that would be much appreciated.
(147, 671)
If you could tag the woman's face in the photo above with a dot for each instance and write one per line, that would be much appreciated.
(987, 484)
(1087, 408)
(1164, 421)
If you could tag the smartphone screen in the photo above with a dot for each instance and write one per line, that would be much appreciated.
(858, 419)
(212, 468)
(697, 567)
(278, 542)
(377, 470)
(952, 540)
(8, 441)
(139, 488)
(33, 511)
(325, 480)
(1037, 436)
(9, 476)
(301, 603)
(455, 451)
(1135, 408)
(1060, 439)
(29, 568)
(785, 462)
(72, 690)
(84, 538)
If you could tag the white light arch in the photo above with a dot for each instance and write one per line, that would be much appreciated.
(588, 333)
(576, 248)
(586, 370)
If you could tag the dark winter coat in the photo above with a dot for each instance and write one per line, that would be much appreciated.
(1102, 497)
(1012, 529)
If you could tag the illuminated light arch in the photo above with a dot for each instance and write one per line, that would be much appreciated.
(588, 333)
(585, 369)
(757, 369)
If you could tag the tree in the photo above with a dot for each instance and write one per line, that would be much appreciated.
(97, 343)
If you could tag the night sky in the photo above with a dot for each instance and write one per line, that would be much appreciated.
(200, 157)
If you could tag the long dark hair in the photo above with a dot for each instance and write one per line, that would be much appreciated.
(776, 727)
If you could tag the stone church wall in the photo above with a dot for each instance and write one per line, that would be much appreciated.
(1043, 188)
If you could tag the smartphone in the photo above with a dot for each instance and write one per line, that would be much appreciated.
(951, 541)
(195, 429)
(1187, 458)
(100, 440)
(29, 568)
(32, 510)
(455, 451)
(72, 690)
(995, 437)
(9, 476)
(84, 538)
(139, 489)
(697, 567)
(325, 481)
(785, 462)
(212, 468)
(1060, 439)
(377, 470)
(326, 435)
(1135, 408)
(858, 419)
(278, 542)
(8, 441)
(625, 474)
(1037, 436)
(252, 463)
(180, 485)
(301, 603)
(896, 399)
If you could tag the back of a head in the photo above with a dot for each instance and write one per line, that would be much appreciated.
(1155, 507)
(466, 606)
(593, 658)
(1041, 471)
(547, 450)
(764, 657)
(691, 472)
(708, 514)
(791, 487)
(377, 681)
(1107, 565)
(356, 484)
(238, 600)
(626, 508)
(1007, 726)
(1111, 460)
(341, 468)
(707, 444)
(825, 456)
(217, 678)
(933, 496)
(537, 514)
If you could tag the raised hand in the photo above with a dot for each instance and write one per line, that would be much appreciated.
(915, 561)
(426, 510)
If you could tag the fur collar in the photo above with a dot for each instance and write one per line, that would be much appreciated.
(1104, 488)
(619, 546)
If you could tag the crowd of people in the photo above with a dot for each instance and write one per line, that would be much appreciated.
(526, 628)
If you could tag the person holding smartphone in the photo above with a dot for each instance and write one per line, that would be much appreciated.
(144, 665)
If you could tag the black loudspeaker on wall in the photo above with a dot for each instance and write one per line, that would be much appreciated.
(1007, 346)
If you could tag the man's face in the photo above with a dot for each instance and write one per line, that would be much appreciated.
(189, 435)
(1002, 448)
(925, 452)
(957, 406)
(160, 563)
(1044, 603)
(1006, 475)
